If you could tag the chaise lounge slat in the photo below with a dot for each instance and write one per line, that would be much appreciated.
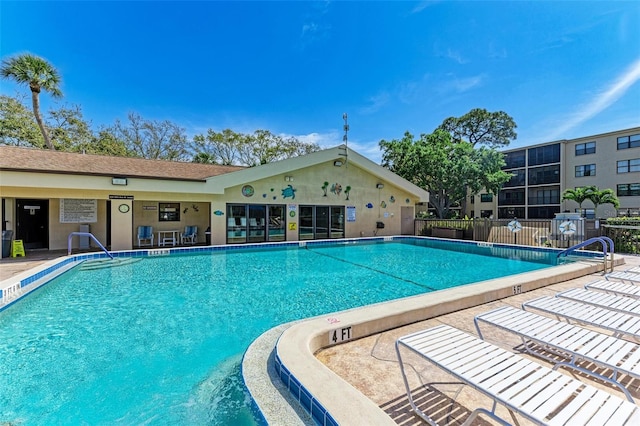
(617, 322)
(536, 392)
(603, 300)
(624, 276)
(615, 287)
(574, 342)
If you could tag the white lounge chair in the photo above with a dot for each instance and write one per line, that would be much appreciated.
(615, 287)
(145, 236)
(571, 342)
(634, 269)
(620, 324)
(624, 276)
(622, 304)
(536, 392)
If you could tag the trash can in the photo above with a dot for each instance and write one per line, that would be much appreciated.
(207, 236)
(7, 236)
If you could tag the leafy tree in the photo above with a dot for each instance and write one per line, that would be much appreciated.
(39, 75)
(604, 196)
(106, 143)
(156, 140)
(17, 124)
(481, 127)
(444, 167)
(69, 130)
(261, 147)
(218, 147)
(579, 194)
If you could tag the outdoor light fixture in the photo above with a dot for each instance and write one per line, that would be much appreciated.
(288, 178)
(379, 186)
(118, 181)
(337, 163)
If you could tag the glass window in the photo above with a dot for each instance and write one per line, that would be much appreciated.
(545, 196)
(306, 223)
(628, 190)
(626, 142)
(510, 212)
(518, 178)
(546, 212)
(236, 223)
(629, 166)
(255, 223)
(586, 170)
(514, 159)
(511, 197)
(486, 213)
(321, 222)
(544, 155)
(473, 199)
(585, 148)
(486, 198)
(169, 212)
(544, 175)
(277, 223)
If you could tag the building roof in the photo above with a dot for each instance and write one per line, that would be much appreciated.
(47, 161)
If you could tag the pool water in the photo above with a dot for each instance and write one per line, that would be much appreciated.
(160, 341)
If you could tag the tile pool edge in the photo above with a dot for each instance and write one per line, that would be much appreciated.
(329, 398)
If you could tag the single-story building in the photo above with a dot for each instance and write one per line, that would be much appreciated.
(333, 193)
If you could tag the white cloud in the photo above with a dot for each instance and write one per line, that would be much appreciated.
(456, 56)
(602, 101)
(376, 102)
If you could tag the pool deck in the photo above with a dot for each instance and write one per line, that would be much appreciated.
(363, 373)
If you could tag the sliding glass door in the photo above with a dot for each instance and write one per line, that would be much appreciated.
(321, 222)
(255, 223)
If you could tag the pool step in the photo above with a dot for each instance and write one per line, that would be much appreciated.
(91, 265)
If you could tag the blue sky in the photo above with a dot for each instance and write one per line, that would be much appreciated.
(561, 69)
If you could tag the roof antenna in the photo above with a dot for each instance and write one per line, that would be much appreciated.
(344, 138)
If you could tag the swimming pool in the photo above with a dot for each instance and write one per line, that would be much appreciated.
(160, 340)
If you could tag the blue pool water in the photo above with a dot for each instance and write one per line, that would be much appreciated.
(160, 341)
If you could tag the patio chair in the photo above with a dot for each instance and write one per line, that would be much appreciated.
(534, 391)
(620, 324)
(624, 276)
(189, 235)
(548, 338)
(615, 287)
(612, 302)
(145, 236)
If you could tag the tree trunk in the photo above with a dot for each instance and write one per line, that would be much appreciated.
(36, 111)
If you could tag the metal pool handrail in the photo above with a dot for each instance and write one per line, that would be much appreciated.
(86, 234)
(606, 243)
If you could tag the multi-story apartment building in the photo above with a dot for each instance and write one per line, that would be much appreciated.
(542, 172)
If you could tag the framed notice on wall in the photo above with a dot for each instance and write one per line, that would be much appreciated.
(351, 213)
(78, 211)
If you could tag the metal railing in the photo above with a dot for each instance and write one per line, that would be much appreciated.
(607, 243)
(86, 234)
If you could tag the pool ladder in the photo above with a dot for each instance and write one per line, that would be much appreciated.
(607, 243)
(86, 234)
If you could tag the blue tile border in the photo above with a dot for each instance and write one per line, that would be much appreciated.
(311, 405)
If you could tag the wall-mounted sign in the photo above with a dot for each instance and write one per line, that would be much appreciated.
(351, 213)
(78, 211)
(121, 197)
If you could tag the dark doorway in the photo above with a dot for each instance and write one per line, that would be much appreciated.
(33, 223)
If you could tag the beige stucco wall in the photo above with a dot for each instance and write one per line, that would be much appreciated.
(208, 197)
(308, 191)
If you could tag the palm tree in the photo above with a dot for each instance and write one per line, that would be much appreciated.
(579, 195)
(39, 75)
(605, 196)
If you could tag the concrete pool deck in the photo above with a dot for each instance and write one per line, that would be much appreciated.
(359, 381)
